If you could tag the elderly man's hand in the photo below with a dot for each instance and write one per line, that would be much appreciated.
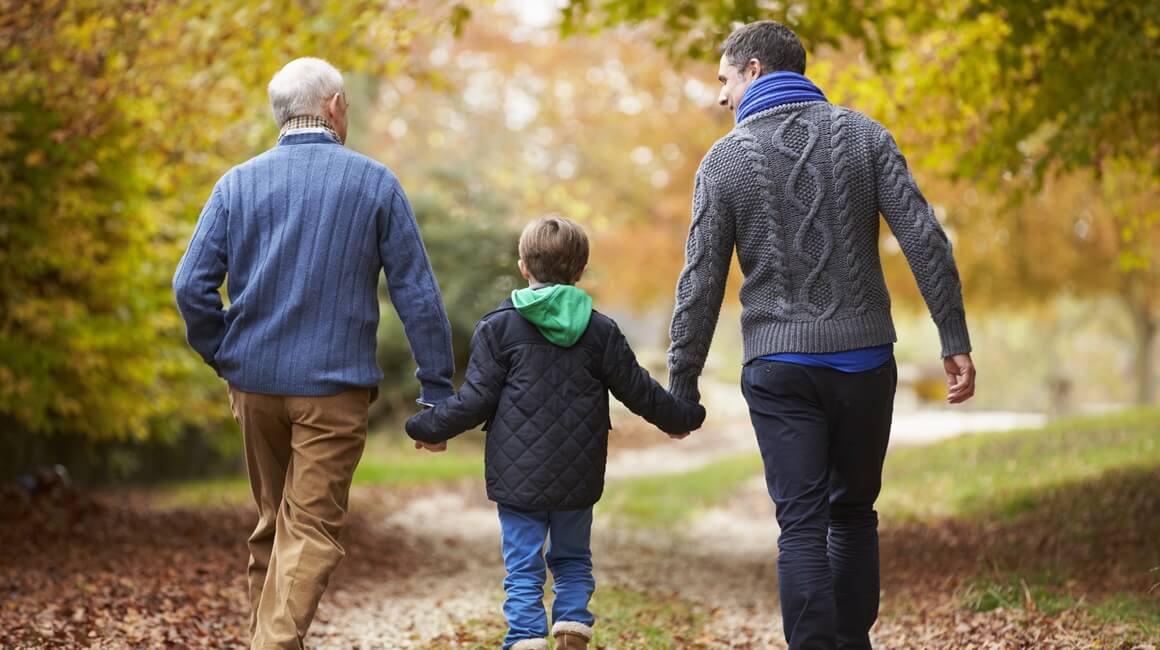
(430, 447)
(960, 378)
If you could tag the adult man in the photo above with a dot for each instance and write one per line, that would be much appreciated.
(303, 232)
(797, 187)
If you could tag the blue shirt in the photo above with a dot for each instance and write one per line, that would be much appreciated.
(859, 360)
(304, 232)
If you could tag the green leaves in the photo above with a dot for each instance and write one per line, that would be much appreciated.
(695, 29)
(115, 120)
(1051, 85)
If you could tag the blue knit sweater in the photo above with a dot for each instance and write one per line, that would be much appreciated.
(303, 231)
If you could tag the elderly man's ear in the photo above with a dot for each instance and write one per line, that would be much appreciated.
(334, 107)
(335, 110)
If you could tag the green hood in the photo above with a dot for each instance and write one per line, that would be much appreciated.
(560, 311)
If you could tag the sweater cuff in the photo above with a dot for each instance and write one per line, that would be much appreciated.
(432, 395)
(954, 337)
(684, 386)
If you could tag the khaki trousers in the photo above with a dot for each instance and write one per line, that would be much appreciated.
(301, 453)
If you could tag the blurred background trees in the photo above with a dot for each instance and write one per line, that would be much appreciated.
(1032, 127)
(115, 119)
(1039, 116)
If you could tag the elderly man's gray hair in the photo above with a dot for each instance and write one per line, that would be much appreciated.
(302, 87)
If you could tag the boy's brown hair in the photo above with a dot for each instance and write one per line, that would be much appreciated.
(554, 249)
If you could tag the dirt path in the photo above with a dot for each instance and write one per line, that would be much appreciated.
(452, 540)
(726, 560)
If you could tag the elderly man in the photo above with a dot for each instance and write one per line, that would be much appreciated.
(796, 188)
(303, 231)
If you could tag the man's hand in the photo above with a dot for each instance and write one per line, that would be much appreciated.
(679, 436)
(430, 447)
(960, 378)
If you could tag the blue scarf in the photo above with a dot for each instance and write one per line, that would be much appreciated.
(775, 89)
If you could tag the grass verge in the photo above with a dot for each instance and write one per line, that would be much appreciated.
(1058, 519)
(1008, 473)
(1138, 617)
(668, 500)
(971, 476)
(386, 462)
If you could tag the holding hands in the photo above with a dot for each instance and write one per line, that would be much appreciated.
(697, 418)
(433, 447)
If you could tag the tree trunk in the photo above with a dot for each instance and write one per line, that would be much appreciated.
(1146, 326)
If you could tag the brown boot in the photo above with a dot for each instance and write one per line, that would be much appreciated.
(571, 636)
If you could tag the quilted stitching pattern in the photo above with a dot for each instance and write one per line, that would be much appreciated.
(547, 409)
(548, 442)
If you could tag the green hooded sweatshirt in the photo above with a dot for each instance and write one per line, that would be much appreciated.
(560, 311)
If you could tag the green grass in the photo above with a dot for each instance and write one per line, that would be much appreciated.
(627, 620)
(230, 491)
(1142, 614)
(969, 476)
(393, 464)
(1139, 614)
(666, 501)
(384, 463)
(1041, 594)
(1005, 473)
(631, 619)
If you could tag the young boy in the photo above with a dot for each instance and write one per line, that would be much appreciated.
(540, 371)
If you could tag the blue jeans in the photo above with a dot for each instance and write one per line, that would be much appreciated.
(566, 535)
(823, 436)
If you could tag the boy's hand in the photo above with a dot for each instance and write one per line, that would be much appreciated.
(430, 447)
(679, 436)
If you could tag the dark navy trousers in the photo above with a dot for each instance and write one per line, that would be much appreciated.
(823, 436)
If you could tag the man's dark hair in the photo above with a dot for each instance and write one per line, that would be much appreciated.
(772, 43)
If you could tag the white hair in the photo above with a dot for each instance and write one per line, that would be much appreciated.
(302, 87)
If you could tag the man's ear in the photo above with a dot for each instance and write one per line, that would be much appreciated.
(332, 106)
(753, 69)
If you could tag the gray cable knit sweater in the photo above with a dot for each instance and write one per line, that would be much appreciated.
(797, 189)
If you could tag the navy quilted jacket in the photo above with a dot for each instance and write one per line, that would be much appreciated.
(545, 409)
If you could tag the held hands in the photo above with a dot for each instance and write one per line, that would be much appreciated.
(433, 448)
(960, 378)
(695, 423)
